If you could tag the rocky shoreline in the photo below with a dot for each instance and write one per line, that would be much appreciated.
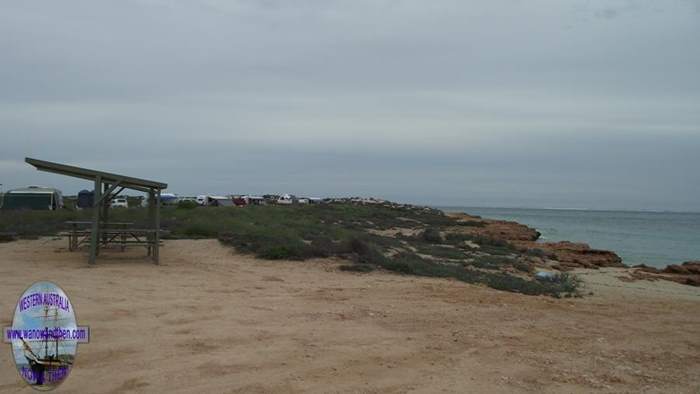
(567, 256)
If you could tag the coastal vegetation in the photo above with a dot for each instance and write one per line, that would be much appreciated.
(398, 238)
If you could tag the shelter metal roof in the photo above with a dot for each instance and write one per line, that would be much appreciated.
(85, 173)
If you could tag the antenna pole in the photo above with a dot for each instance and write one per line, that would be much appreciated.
(46, 338)
(56, 337)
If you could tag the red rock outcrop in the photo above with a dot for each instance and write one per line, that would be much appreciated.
(687, 268)
(569, 255)
(496, 229)
(687, 273)
(580, 255)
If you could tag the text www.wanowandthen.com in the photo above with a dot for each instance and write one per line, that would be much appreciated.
(79, 334)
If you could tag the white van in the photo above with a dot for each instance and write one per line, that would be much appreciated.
(120, 202)
(203, 200)
(286, 199)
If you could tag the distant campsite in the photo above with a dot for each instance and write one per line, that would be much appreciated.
(48, 198)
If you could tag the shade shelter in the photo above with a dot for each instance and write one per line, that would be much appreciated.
(108, 186)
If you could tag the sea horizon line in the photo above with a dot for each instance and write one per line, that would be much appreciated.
(637, 210)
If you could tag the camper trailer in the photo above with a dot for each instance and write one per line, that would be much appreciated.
(240, 201)
(255, 200)
(220, 201)
(286, 199)
(168, 199)
(33, 197)
(214, 201)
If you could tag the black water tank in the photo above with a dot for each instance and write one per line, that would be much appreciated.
(85, 199)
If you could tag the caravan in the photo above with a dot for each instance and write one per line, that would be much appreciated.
(168, 199)
(202, 199)
(33, 197)
(286, 199)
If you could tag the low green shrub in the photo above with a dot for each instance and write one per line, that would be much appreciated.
(187, 204)
(560, 286)
(26, 223)
(441, 251)
(458, 238)
(365, 252)
(323, 247)
(432, 235)
(541, 253)
(492, 262)
(199, 229)
(357, 267)
(301, 232)
(566, 282)
(283, 252)
(522, 266)
(8, 237)
(470, 223)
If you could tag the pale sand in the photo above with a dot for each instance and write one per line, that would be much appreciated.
(211, 321)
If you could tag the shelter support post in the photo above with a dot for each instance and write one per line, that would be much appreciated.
(106, 201)
(156, 225)
(151, 219)
(96, 211)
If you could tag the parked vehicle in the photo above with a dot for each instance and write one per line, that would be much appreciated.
(120, 202)
(286, 199)
(240, 201)
(202, 199)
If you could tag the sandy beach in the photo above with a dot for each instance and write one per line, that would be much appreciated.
(211, 320)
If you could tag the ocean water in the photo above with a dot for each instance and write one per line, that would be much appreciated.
(652, 238)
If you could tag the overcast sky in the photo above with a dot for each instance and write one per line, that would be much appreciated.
(590, 104)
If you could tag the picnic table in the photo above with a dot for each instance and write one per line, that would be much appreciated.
(112, 233)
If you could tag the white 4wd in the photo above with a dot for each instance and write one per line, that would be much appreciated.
(120, 202)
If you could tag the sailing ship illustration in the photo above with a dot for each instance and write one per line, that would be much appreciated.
(50, 362)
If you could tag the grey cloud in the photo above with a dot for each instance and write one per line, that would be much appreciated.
(505, 102)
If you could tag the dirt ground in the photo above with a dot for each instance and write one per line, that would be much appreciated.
(211, 321)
